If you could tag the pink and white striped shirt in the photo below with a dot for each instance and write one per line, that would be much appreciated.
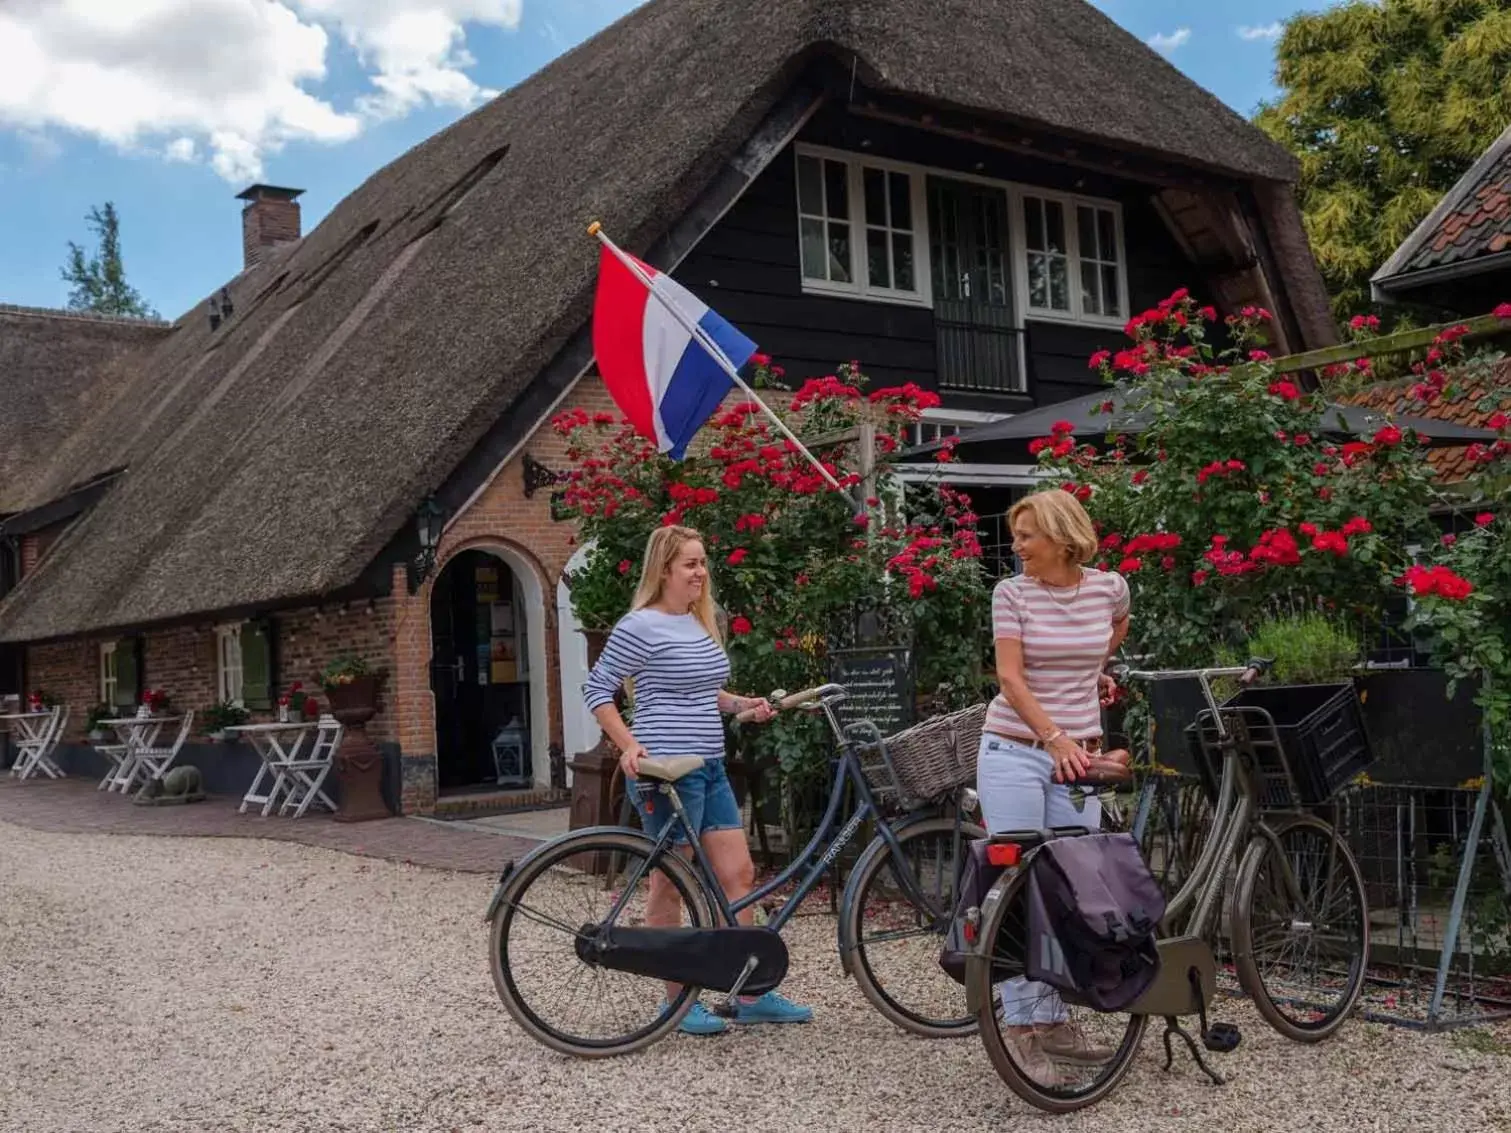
(1065, 635)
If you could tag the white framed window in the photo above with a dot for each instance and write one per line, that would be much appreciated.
(862, 227)
(229, 669)
(110, 682)
(1073, 263)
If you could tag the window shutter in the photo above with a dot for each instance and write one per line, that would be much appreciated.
(128, 673)
(257, 679)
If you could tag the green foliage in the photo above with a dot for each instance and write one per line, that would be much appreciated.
(96, 714)
(1307, 648)
(1386, 104)
(99, 280)
(224, 714)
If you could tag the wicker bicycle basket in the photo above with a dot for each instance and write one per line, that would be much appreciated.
(929, 759)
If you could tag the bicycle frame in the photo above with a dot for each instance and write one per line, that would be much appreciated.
(846, 771)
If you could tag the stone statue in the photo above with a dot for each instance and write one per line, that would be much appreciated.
(181, 785)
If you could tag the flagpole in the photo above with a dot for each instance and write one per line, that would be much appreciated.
(718, 355)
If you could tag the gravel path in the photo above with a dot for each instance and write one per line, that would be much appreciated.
(207, 984)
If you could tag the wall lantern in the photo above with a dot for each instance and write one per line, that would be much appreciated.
(427, 522)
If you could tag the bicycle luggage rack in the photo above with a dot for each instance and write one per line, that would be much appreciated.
(1254, 738)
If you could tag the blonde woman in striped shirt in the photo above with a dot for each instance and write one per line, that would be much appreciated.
(1055, 626)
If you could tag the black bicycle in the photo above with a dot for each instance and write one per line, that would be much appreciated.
(580, 971)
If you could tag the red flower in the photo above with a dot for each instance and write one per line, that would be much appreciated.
(1303, 438)
(739, 625)
(1450, 539)
(1439, 580)
(737, 556)
(1388, 435)
(1319, 469)
(1098, 359)
(1499, 421)
(1332, 541)
(1130, 564)
(1284, 389)
(624, 566)
(1503, 311)
(1061, 427)
(1208, 313)
(1141, 475)
(1259, 355)
(1358, 525)
(862, 520)
(1365, 322)
(1198, 577)
(1484, 519)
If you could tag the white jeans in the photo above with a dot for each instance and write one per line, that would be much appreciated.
(1018, 792)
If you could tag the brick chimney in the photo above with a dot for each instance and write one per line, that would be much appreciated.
(270, 218)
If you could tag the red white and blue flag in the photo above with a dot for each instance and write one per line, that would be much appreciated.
(659, 373)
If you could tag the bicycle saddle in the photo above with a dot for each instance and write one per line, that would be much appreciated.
(670, 768)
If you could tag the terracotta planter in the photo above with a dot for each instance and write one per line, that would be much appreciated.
(359, 763)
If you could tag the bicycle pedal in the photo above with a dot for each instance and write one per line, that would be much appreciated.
(1222, 1038)
(725, 1008)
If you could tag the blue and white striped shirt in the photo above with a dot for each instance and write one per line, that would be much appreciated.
(678, 672)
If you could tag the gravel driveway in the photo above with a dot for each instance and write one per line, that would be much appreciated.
(209, 984)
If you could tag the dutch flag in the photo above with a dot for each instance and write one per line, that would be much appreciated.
(658, 371)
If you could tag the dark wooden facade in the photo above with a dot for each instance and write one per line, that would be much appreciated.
(748, 268)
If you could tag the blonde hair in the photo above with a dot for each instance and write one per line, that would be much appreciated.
(661, 551)
(1061, 519)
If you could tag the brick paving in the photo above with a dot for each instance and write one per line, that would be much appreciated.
(74, 806)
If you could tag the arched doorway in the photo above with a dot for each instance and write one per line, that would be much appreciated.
(488, 672)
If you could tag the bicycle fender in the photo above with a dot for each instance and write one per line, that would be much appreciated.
(978, 959)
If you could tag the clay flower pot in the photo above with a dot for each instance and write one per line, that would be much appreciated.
(359, 763)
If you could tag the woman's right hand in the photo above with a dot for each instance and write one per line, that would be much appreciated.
(630, 757)
(1071, 760)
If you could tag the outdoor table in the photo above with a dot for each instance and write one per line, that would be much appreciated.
(29, 728)
(279, 745)
(135, 733)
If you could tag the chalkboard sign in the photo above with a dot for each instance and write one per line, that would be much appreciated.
(880, 684)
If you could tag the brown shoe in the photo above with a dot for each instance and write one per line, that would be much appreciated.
(1029, 1056)
(1068, 1043)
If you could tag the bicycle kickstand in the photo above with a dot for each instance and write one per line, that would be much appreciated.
(1173, 1027)
(728, 1006)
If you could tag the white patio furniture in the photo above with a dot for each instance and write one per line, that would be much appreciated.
(132, 732)
(281, 749)
(153, 761)
(304, 776)
(38, 734)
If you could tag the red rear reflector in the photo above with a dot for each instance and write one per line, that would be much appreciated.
(1004, 854)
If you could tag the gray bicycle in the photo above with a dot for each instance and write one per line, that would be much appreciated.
(1298, 922)
(580, 971)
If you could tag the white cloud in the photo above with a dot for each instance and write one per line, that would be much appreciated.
(1268, 31)
(1165, 44)
(229, 81)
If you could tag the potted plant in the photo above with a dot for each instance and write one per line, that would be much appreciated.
(223, 715)
(40, 701)
(92, 722)
(297, 704)
(351, 685)
(156, 702)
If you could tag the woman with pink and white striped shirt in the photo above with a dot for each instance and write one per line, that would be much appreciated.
(1055, 626)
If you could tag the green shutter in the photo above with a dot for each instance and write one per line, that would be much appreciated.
(257, 665)
(128, 673)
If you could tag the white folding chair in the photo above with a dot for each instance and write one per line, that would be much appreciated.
(36, 749)
(118, 754)
(151, 761)
(304, 776)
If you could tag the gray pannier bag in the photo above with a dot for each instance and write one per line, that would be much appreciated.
(1093, 911)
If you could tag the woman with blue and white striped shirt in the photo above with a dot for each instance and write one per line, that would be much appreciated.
(670, 646)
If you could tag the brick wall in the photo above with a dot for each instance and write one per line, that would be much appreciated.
(183, 662)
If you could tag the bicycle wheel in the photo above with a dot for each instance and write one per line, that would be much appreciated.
(894, 944)
(1072, 1057)
(1301, 928)
(532, 954)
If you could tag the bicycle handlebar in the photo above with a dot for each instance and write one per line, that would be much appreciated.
(1246, 674)
(781, 699)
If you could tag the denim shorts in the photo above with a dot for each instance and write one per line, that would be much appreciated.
(706, 796)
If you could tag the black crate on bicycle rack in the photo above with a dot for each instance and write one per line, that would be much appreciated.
(1307, 741)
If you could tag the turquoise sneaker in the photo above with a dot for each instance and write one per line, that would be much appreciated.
(700, 1021)
(772, 1008)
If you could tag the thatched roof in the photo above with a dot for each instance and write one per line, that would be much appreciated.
(56, 369)
(276, 457)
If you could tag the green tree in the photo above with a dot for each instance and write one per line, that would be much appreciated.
(99, 280)
(1386, 103)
